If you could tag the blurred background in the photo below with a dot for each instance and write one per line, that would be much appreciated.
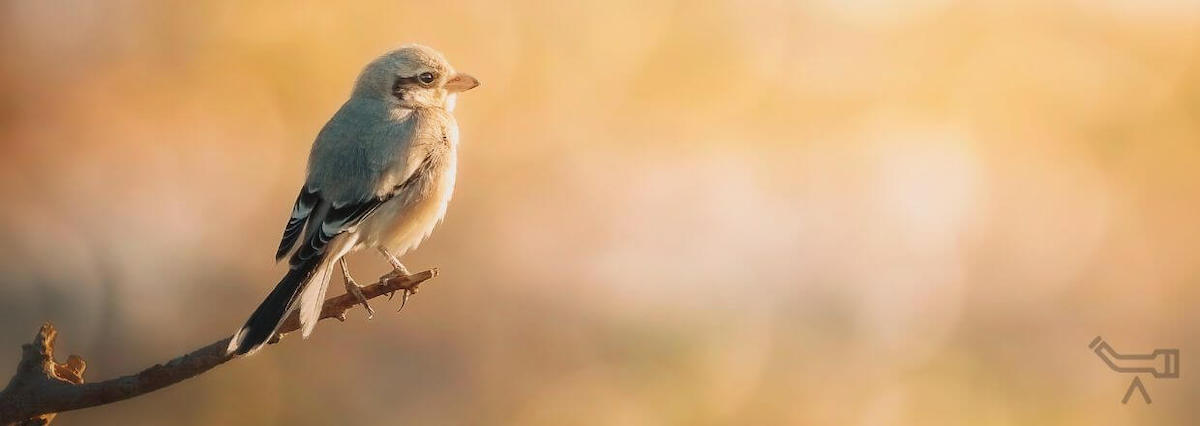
(667, 213)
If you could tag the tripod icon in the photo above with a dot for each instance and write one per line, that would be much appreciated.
(1162, 364)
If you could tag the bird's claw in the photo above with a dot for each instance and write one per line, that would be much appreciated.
(404, 298)
(355, 290)
(399, 272)
(407, 293)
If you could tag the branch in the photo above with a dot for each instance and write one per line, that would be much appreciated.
(43, 387)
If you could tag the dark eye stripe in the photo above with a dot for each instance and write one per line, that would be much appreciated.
(405, 82)
(410, 81)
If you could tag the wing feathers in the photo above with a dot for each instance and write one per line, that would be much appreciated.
(305, 202)
(334, 222)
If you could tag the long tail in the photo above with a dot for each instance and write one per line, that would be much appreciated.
(304, 284)
(270, 314)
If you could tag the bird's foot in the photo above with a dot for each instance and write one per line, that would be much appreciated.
(399, 272)
(406, 293)
(353, 289)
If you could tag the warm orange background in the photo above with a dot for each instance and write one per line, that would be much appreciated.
(867, 212)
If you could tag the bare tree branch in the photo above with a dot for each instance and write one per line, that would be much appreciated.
(42, 387)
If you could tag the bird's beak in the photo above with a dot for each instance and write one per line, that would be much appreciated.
(461, 83)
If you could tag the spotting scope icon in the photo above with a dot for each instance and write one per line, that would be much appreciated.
(1162, 364)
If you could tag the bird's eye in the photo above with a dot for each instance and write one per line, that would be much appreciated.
(426, 78)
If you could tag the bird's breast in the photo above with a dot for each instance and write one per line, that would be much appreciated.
(401, 223)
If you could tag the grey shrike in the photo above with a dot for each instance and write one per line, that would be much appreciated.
(380, 174)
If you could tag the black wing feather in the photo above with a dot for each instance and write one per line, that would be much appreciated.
(337, 220)
(341, 218)
(305, 203)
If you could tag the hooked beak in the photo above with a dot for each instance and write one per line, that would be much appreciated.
(461, 83)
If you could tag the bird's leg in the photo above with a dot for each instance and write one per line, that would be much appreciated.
(354, 289)
(398, 271)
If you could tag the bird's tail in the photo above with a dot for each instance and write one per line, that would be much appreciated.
(303, 286)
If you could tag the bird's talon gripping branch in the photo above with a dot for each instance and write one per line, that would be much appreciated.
(398, 274)
(355, 290)
(398, 269)
(407, 293)
(392, 276)
(404, 298)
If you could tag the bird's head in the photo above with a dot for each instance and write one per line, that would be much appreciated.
(413, 76)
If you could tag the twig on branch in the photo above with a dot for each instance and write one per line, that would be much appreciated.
(43, 387)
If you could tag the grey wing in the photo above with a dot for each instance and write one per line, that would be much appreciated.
(354, 167)
(332, 220)
(336, 218)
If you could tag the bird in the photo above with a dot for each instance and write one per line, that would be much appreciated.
(380, 176)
